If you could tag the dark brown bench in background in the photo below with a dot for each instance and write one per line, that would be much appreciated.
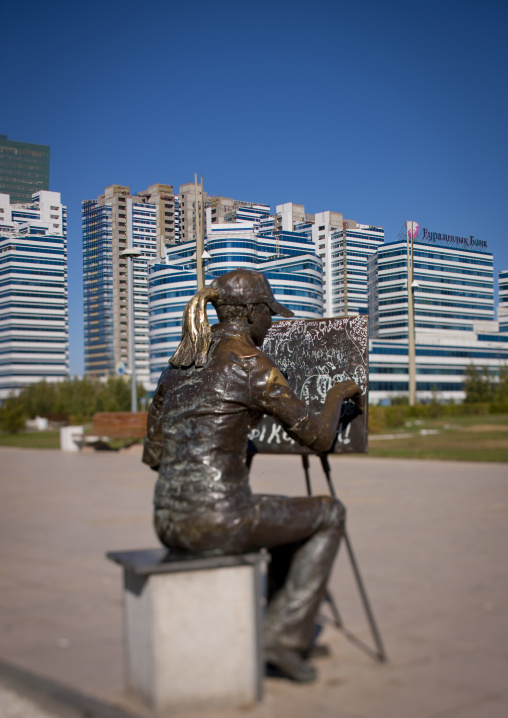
(119, 424)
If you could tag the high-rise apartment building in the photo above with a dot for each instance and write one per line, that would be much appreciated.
(24, 169)
(454, 289)
(33, 292)
(223, 210)
(344, 245)
(115, 221)
(189, 204)
(502, 310)
(454, 317)
(503, 287)
(152, 221)
(217, 210)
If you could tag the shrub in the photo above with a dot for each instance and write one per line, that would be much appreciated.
(481, 386)
(12, 416)
(74, 398)
(396, 416)
(377, 419)
(499, 407)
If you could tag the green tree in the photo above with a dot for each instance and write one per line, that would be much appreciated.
(39, 399)
(479, 385)
(79, 398)
(501, 386)
(115, 395)
(12, 415)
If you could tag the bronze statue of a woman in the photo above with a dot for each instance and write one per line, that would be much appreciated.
(216, 389)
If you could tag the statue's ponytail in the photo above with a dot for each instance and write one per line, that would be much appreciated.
(196, 332)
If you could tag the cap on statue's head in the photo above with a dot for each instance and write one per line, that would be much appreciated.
(245, 286)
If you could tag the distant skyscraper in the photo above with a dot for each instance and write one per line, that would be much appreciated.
(503, 288)
(454, 317)
(502, 310)
(33, 292)
(187, 211)
(455, 289)
(24, 169)
(112, 223)
(454, 307)
(223, 210)
(287, 259)
(344, 246)
(218, 210)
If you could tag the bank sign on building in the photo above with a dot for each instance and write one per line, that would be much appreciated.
(452, 240)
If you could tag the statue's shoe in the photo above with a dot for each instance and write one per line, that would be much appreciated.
(317, 650)
(291, 664)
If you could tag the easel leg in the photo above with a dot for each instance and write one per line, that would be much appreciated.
(356, 571)
(366, 603)
(327, 472)
(305, 464)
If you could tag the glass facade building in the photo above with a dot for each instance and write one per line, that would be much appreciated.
(345, 252)
(24, 169)
(441, 363)
(318, 265)
(503, 288)
(454, 320)
(98, 288)
(455, 289)
(33, 292)
(502, 310)
(113, 222)
(344, 247)
(287, 259)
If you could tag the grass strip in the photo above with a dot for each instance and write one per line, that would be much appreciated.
(32, 440)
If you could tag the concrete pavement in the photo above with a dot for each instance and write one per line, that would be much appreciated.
(430, 538)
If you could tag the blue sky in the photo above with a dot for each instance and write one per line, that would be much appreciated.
(384, 111)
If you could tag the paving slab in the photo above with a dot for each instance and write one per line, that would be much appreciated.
(15, 705)
(430, 538)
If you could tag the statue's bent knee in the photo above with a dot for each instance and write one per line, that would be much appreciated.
(336, 513)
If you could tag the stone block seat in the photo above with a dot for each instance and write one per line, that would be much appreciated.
(192, 628)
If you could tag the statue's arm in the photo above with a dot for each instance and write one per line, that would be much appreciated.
(152, 450)
(273, 395)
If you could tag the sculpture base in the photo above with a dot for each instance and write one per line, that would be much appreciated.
(192, 628)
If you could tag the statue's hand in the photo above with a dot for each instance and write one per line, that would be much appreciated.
(348, 390)
(330, 413)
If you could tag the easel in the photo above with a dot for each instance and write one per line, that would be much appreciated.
(380, 654)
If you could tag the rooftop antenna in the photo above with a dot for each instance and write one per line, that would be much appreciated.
(200, 234)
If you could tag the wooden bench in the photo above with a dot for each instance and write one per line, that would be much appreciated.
(120, 424)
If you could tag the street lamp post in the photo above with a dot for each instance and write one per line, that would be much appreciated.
(130, 254)
(199, 214)
(411, 233)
